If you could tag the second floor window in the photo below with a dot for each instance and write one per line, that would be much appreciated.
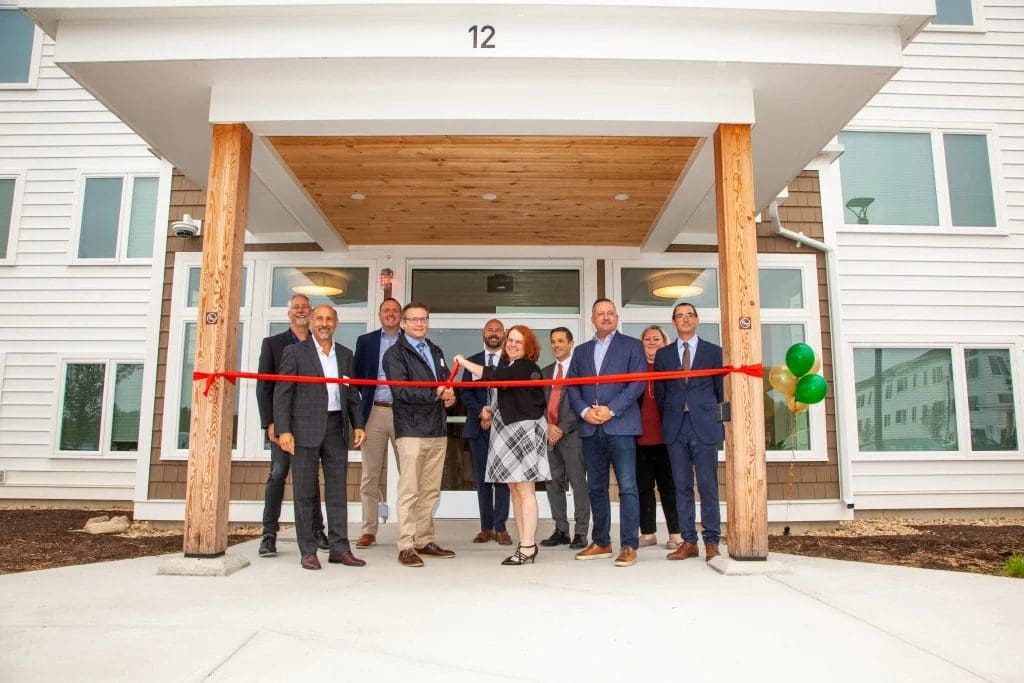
(118, 217)
(17, 43)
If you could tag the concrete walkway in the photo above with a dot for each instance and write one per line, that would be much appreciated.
(470, 619)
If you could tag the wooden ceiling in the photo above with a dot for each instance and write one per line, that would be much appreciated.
(428, 189)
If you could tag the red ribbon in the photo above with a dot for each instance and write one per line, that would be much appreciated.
(231, 376)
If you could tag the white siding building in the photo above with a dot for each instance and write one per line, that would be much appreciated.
(80, 196)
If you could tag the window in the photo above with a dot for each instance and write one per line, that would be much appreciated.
(101, 406)
(498, 291)
(953, 13)
(6, 210)
(118, 218)
(933, 179)
(185, 395)
(992, 415)
(18, 53)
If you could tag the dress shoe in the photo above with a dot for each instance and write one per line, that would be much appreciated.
(310, 561)
(484, 536)
(578, 541)
(557, 538)
(268, 546)
(321, 540)
(686, 550)
(365, 541)
(409, 558)
(346, 558)
(504, 538)
(648, 539)
(434, 550)
(519, 557)
(710, 551)
(594, 552)
(626, 558)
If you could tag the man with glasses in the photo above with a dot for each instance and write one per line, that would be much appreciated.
(380, 425)
(280, 462)
(691, 430)
(421, 431)
(610, 414)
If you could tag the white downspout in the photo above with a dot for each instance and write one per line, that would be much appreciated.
(835, 324)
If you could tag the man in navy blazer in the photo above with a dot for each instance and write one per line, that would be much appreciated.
(610, 423)
(377, 415)
(492, 499)
(691, 430)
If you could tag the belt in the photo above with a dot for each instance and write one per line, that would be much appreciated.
(382, 404)
(334, 412)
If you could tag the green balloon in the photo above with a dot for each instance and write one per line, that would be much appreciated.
(800, 359)
(811, 389)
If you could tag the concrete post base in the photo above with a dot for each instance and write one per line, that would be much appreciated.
(730, 567)
(203, 566)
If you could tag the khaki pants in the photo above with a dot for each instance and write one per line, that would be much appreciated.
(380, 429)
(420, 465)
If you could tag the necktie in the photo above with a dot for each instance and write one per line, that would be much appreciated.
(490, 360)
(422, 348)
(555, 398)
(686, 366)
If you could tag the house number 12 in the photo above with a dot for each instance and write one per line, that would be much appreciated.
(482, 36)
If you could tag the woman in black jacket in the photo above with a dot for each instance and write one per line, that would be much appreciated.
(517, 453)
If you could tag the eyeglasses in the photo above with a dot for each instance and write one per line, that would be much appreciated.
(416, 321)
(685, 316)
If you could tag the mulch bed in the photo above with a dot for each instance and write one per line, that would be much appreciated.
(45, 538)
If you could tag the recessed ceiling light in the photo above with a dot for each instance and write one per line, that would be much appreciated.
(489, 196)
(621, 197)
(358, 196)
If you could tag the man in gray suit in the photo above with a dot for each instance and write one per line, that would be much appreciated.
(565, 453)
(310, 422)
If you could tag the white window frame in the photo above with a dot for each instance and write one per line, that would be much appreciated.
(809, 316)
(960, 396)
(106, 420)
(34, 61)
(941, 179)
(124, 217)
(977, 14)
(12, 235)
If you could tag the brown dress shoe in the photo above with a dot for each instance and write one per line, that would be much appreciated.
(626, 558)
(710, 551)
(484, 536)
(365, 541)
(434, 550)
(594, 552)
(310, 561)
(686, 550)
(409, 558)
(504, 538)
(346, 558)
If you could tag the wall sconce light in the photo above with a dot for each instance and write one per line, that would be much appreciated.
(320, 283)
(676, 284)
(387, 278)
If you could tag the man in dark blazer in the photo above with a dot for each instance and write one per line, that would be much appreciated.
(310, 420)
(280, 462)
(492, 499)
(691, 430)
(377, 415)
(610, 415)
(565, 453)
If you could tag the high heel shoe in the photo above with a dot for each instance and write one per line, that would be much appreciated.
(518, 557)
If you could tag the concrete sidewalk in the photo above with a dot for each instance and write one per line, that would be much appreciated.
(470, 619)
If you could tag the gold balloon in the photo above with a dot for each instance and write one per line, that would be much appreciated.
(782, 380)
(794, 405)
(817, 364)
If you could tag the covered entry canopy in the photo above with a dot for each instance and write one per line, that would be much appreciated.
(422, 108)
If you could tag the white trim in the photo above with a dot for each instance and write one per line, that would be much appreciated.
(16, 200)
(35, 60)
(124, 217)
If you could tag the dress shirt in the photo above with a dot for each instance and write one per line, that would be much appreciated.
(383, 391)
(600, 349)
(693, 349)
(425, 355)
(329, 362)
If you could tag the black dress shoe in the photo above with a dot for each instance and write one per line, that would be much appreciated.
(557, 538)
(268, 546)
(321, 540)
(578, 541)
(346, 558)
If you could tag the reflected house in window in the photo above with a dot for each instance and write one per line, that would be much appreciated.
(990, 397)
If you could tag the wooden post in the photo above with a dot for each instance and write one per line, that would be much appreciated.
(745, 471)
(209, 456)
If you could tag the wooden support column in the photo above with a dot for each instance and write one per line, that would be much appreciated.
(209, 454)
(745, 470)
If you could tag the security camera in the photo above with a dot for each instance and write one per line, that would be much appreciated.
(188, 227)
